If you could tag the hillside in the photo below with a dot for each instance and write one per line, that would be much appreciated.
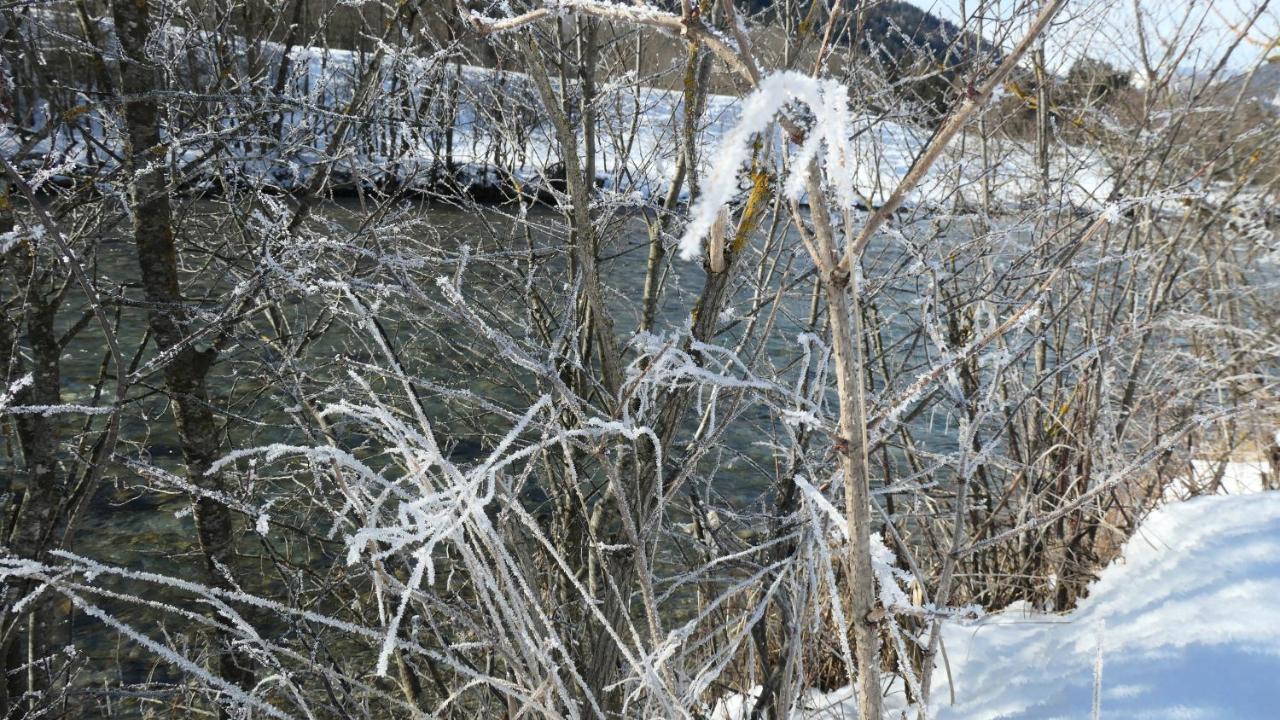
(1263, 85)
(898, 32)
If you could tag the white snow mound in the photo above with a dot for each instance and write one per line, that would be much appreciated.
(1187, 621)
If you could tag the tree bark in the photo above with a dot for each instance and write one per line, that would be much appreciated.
(841, 290)
(186, 372)
(36, 500)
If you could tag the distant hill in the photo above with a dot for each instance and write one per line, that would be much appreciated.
(901, 31)
(893, 29)
(897, 31)
(907, 43)
(1263, 86)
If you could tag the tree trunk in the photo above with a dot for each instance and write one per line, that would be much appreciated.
(846, 348)
(845, 316)
(36, 500)
(186, 372)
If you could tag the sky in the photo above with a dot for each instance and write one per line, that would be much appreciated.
(1107, 30)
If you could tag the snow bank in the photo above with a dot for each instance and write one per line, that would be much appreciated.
(1186, 624)
(401, 140)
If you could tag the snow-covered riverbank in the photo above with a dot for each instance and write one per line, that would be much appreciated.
(1185, 624)
(442, 128)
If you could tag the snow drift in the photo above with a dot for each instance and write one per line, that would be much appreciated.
(1185, 625)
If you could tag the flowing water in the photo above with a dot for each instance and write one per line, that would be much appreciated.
(128, 524)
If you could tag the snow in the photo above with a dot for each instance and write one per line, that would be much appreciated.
(825, 98)
(868, 154)
(48, 410)
(1185, 624)
(8, 394)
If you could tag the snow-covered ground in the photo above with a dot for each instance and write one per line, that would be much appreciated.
(1185, 625)
(635, 155)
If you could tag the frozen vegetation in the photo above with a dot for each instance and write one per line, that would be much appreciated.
(776, 359)
(489, 114)
(1185, 623)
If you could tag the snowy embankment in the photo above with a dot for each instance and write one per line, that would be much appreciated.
(436, 127)
(1185, 624)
